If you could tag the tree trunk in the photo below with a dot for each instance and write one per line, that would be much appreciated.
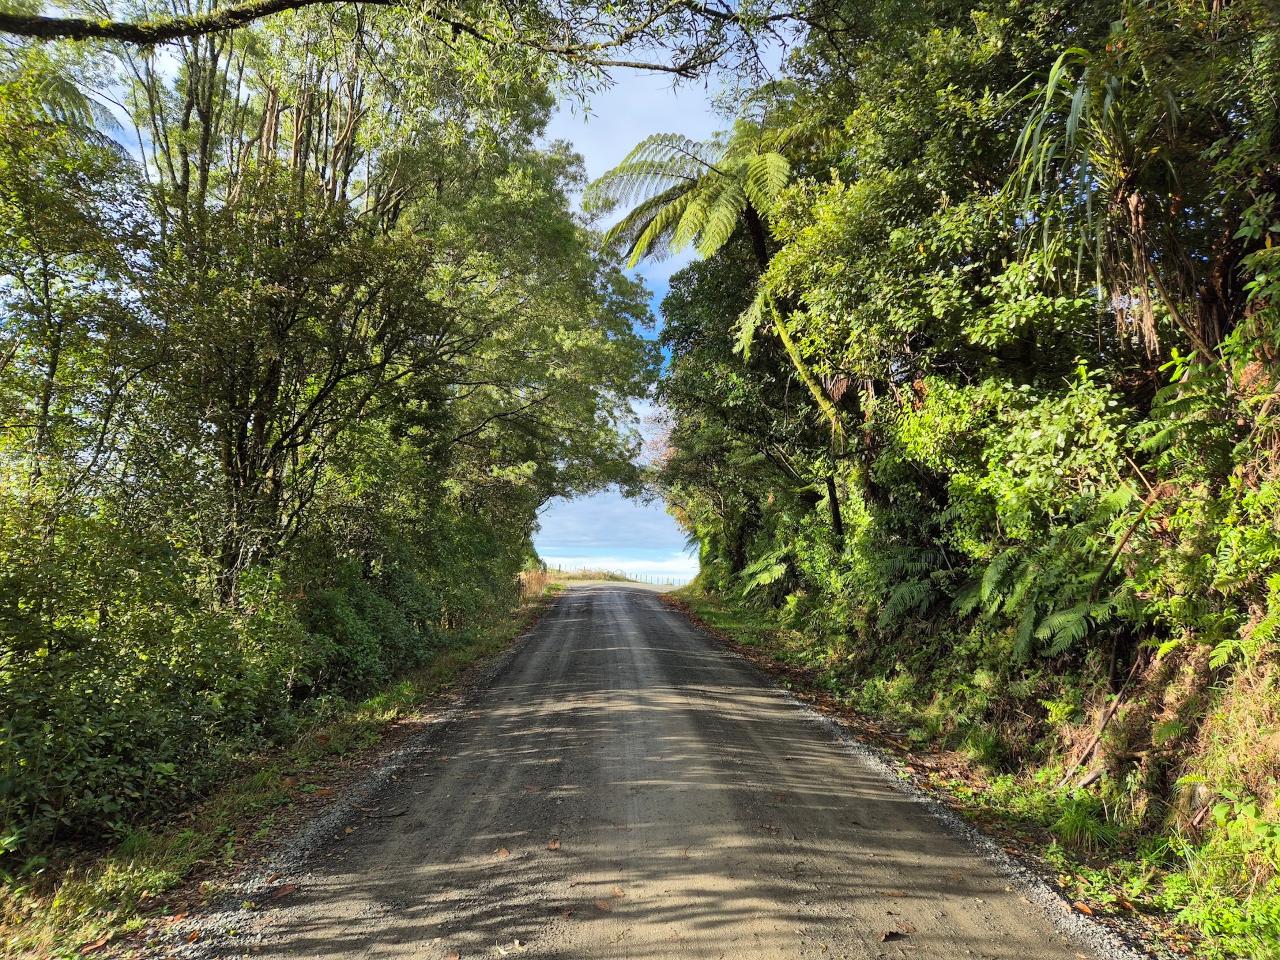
(833, 503)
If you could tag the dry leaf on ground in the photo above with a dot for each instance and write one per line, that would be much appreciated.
(98, 944)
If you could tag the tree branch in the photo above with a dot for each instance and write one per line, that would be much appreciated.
(149, 32)
(158, 30)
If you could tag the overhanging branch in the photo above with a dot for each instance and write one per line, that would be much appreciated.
(159, 29)
(598, 51)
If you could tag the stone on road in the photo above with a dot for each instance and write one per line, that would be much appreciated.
(627, 788)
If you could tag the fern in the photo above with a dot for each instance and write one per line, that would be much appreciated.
(766, 175)
(765, 571)
(748, 323)
(994, 578)
(907, 598)
(684, 191)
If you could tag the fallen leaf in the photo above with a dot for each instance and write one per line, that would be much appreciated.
(193, 936)
(567, 912)
(178, 917)
(604, 906)
(348, 829)
(283, 890)
(1083, 908)
(619, 892)
(502, 853)
(98, 944)
(324, 792)
(553, 843)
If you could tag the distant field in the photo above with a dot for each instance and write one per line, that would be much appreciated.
(618, 576)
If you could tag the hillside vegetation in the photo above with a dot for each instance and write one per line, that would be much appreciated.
(975, 393)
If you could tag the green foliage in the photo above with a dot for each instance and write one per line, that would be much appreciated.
(1029, 265)
(279, 400)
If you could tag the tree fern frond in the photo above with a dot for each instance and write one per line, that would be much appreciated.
(646, 231)
(767, 174)
(722, 217)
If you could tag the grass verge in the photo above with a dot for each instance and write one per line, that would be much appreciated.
(91, 903)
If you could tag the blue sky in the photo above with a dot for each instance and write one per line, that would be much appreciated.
(607, 530)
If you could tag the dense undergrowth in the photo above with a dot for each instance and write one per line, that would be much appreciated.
(976, 391)
(75, 899)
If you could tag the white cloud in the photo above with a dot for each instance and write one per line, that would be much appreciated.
(607, 522)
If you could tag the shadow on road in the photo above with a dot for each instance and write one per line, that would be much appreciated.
(692, 811)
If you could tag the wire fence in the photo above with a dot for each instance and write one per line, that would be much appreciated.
(596, 573)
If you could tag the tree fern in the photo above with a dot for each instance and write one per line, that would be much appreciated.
(684, 191)
(766, 175)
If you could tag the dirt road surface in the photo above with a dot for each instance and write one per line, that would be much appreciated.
(627, 788)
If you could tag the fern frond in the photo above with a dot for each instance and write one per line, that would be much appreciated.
(749, 322)
(993, 578)
(721, 217)
(647, 229)
(767, 174)
(908, 597)
(968, 599)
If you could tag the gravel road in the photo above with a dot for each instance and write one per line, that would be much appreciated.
(625, 787)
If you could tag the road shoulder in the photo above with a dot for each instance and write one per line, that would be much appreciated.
(879, 747)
